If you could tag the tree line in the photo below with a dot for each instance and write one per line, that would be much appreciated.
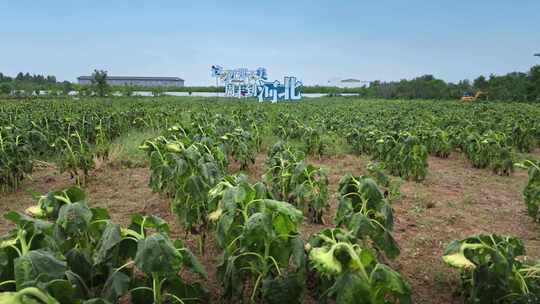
(28, 84)
(515, 86)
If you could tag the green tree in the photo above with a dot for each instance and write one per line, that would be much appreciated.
(99, 83)
(5, 88)
(4, 78)
(533, 86)
(480, 83)
(511, 87)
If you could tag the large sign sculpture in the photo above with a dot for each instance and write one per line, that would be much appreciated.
(248, 83)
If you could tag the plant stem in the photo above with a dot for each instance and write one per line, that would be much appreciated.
(156, 288)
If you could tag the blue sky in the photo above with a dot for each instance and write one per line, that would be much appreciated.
(313, 40)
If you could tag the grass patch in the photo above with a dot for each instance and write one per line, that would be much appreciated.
(126, 148)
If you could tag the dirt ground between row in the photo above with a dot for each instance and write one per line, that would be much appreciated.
(455, 201)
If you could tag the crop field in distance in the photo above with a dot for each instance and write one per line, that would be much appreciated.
(330, 200)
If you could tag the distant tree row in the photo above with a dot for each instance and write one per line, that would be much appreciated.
(515, 86)
(25, 84)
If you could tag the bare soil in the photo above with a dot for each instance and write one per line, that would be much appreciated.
(455, 201)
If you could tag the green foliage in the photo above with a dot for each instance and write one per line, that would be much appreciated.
(84, 91)
(439, 126)
(437, 142)
(365, 212)
(491, 270)
(30, 295)
(289, 178)
(511, 87)
(128, 90)
(67, 87)
(242, 146)
(157, 91)
(489, 150)
(263, 250)
(314, 143)
(99, 83)
(186, 162)
(531, 192)
(403, 154)
(514, 86)
(75, 254)
(5, 89)
(350, 273)
(49, 205)
(15, 158)
(161, 259)
(280, 165)
(74, 156)
(256, 224)
(231, 195)
(186, 171)
(533, 87)
(310, 190)
(522, 136)
(376, 171)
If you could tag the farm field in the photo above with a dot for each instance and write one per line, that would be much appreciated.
(393, 183)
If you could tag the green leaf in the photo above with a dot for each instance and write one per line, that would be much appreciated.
(28, 223)
(109, 241)
(142, 295)
(363, 226)
(117, 285)
(51, 203)
(279, 290)
(190, 260)
(458, 260)
(389, 282)
(157, 254)
(7, 257)
(30, 295)
(61, 290)
(80, 287)
(286, 214)
(74, 218)
(350, 288)
(38, 265)
(257, 230)
(75, 194)
(139, 221)
(322, 259)
(100, 214)
(298, 254)
(80, 263)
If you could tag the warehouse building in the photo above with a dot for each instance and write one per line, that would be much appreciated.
(137, 81)
(347, 83)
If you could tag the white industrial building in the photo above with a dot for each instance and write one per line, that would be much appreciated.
(346, 83)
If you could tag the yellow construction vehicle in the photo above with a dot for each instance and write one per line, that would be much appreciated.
(469, 97)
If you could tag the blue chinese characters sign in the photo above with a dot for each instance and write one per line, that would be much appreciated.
(254, 83)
